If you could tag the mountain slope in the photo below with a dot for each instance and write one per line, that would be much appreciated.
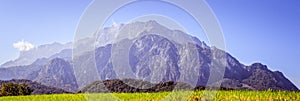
(261, 78)
(156, 55)
(58, 73)
(160, 57)
(236, 75)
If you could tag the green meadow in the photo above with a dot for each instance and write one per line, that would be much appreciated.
(234, 95)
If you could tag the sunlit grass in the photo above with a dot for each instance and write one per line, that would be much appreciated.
(233, 95)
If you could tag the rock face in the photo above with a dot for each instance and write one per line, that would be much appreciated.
(103, 62)
(146, 62)
(20, 72)
(156, 58)
(156, 55)
(151, 53)
(58, 73)
(261, 78)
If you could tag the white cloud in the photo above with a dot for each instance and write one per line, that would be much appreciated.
(23, 45)
(114, 24)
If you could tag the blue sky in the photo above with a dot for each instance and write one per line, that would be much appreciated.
(266, 31)
(38, 22)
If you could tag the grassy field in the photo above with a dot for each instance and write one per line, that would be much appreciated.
(168, 96)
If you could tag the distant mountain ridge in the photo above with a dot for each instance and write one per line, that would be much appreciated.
(153, 58)
(42, 51)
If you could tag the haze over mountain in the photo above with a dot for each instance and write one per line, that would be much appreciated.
(150, 52)
(42, 51)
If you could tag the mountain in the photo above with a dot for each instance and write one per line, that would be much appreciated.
(42, 51)
(173, 55)
(262, 78)
(37, 87)
(58, 73)
(143, 64)
(152, 53)
(31, 71)
(20, 72)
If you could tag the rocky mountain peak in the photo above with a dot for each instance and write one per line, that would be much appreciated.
(257, 66)
(58, 73)
(155, 54)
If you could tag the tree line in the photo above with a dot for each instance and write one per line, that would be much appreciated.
(11, 89)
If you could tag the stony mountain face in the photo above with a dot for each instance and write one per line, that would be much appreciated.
(58, 73)
(19, 72)
(144, 62)
(104, 64)
(262, 78)
(168, 56)
(156, 58)
(52, 71)
(151, 54)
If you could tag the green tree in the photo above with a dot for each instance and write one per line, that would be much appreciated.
(11, 89)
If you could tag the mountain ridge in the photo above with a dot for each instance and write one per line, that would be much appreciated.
(42, 51)
(156, 58)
